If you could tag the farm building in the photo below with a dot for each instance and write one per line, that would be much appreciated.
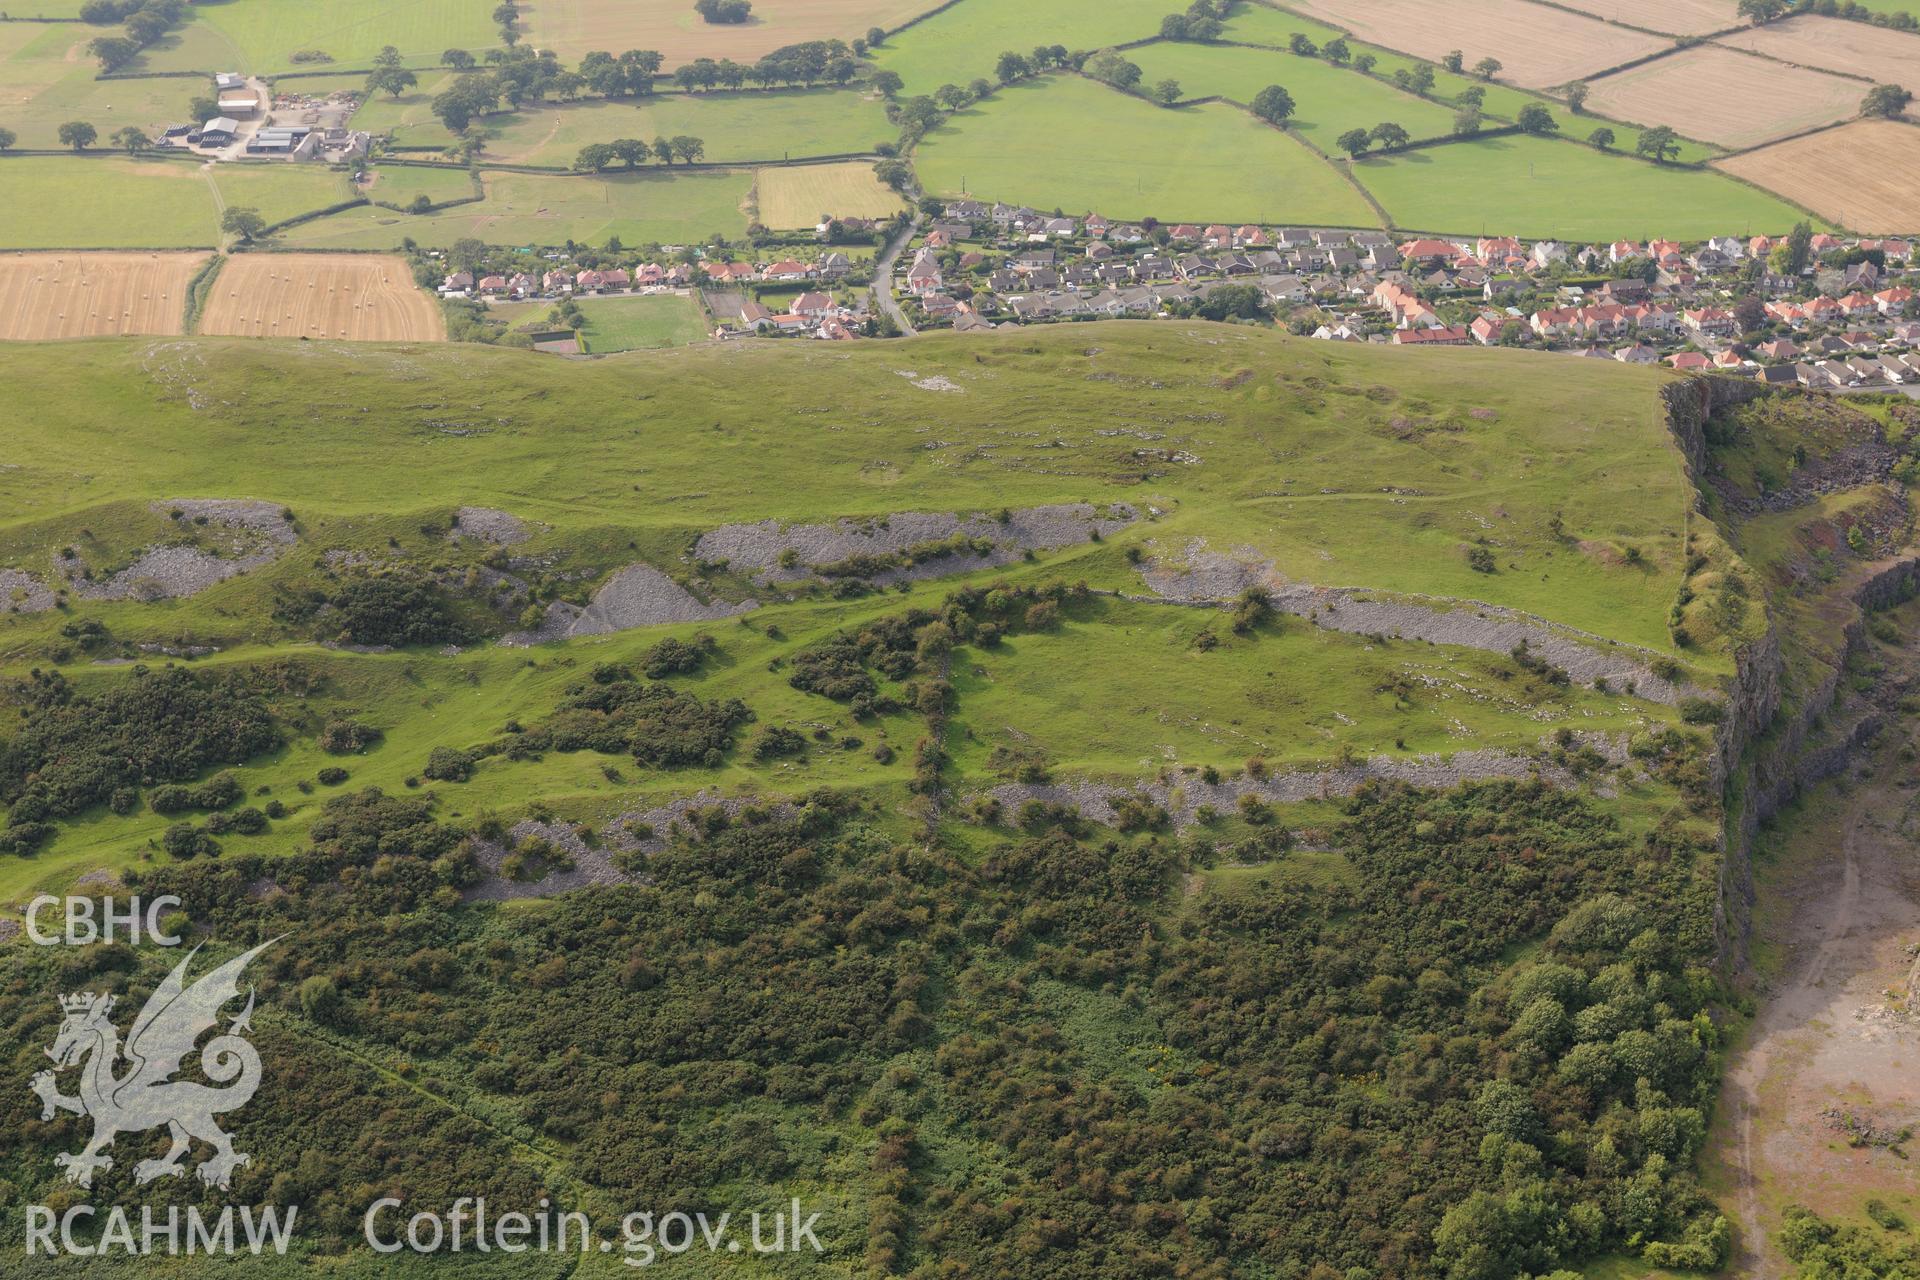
(218, 132)
(282, 140)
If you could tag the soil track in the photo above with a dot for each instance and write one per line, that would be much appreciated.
(1834, 1040)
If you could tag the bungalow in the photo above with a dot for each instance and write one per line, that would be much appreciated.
(785, 270)
(1777, 375)
(458, 282)
(1441, 337)
(1128, 233)
(1689, 360)
(834, 330)
(558, 280)
(1292, 237)
(1034, 259)
(1186, 232)
(522, 285)
(810, 304)
(616, 278)
(1638, 353)
(1249, 237)
(1779, 349)
(492, 284)
(1217, 236)
(756, 316)
(589, 281)
(1727, 360)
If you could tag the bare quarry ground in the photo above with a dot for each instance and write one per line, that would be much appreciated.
(1826, 1081)
(256, 533)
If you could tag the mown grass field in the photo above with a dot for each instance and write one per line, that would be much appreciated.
(401, 183)
(574, 27)
(790, 197)
(278, 190)
(104, 203)
(637, 324)
(735, 126)
(536, 209)
(1070, 143)
(963, 42)
(1328, 100)
(1560, 189)
(46, 79)
(260, 37)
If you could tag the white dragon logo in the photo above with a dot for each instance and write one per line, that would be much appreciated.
(146, 1097)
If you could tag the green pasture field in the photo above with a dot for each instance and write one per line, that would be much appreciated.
(1551, 188)
(962, 43)
(400, 183)
(28, 10)
(279, 189)
(740, 126)
(1266, 25)
(541, 209)
(1070, 143)
(1328, 100)
(56, 202)
(260, 37)
(642, 323)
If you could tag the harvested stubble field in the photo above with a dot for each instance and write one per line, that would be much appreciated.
(572, 28)
(88, 295)
(793, 196)
(1835, 44)
(1538, 46)
(1864, 176)
(1723, 96)
(360, 297)
(1674, 17)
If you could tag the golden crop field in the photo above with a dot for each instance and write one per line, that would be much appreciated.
(1675, 17)
(793, 196)
(358, 296)
(1537, 45)
(1863, 176)
(572, 28)
(1858, 48)
(87, 295)
(1718, 95)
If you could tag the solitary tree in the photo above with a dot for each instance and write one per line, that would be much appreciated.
(1391, 136)
(1487, 68)
(243, 222)
(393, 80)
(1886, 100)
(1577, 96)
(1601, 138)
(876, 36)
(458, 59)
(1534, 118)
(1454, 61)
(7, 138)
(132, 139)
(887, 83)
(1354, 142)
(77, 134)
(387, 57)
(1167, 92)
(1273, 104)
(1658, 144)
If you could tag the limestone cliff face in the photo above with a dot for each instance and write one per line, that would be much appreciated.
(1767, 748)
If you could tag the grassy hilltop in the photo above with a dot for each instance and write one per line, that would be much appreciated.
(939, 870)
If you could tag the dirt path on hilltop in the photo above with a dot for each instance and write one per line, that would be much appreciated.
(1834, 1038)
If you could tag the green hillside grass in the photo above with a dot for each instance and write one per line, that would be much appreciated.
(1349, 466)
(1061, 141)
